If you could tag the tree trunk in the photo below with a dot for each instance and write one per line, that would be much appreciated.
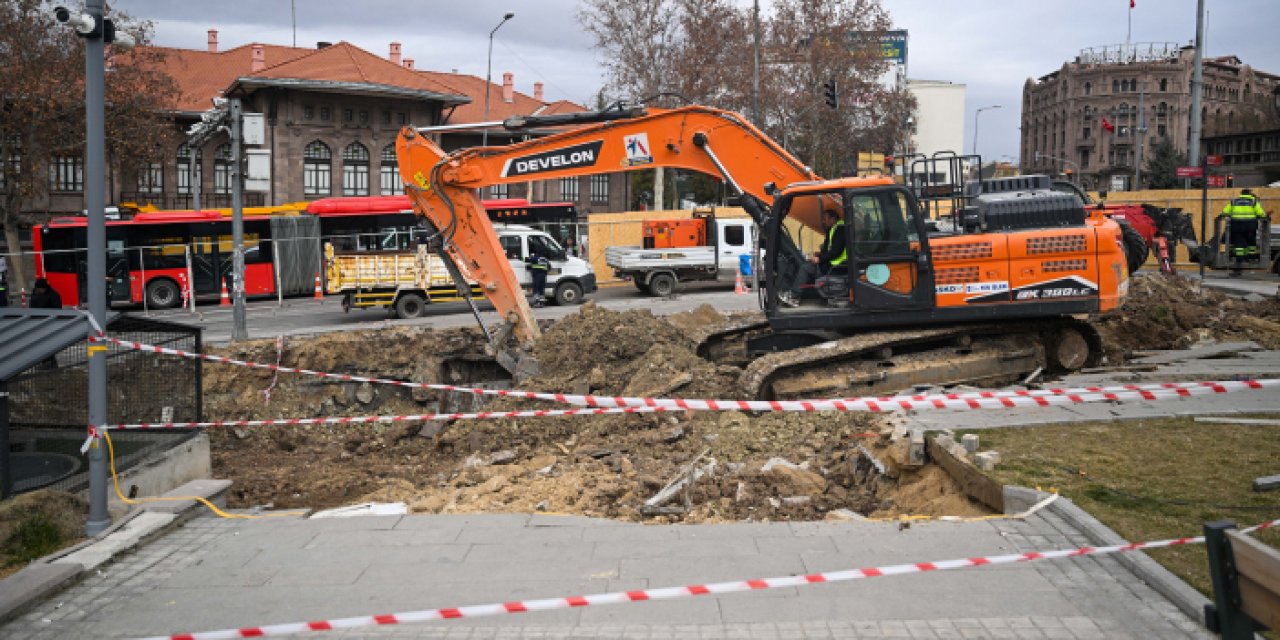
(17, 270)
(658, 187)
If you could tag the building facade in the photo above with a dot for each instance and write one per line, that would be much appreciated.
(939, 120)
(332, 114)
(1088, 118)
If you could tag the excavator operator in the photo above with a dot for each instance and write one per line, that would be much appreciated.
(833, 253)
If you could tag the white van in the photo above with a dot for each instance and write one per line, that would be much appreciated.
(570, 278)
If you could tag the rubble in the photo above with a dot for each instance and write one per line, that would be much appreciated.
(607, 465)
(766, 466)
(1166, 311)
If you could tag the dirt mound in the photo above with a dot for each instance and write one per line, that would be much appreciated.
(607, 465)
(1166, 311)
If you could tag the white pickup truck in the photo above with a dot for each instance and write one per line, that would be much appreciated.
(658, 270)
(407, 281)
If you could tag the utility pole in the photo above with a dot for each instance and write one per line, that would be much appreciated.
(238, 329)
(95, 201)
(1197, 88)
(97, 31)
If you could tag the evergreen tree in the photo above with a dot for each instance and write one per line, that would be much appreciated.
(1163, 164)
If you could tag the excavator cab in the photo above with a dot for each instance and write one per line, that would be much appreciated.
(887, 266)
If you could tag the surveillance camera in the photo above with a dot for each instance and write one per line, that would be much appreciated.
(123, 41)
(84, 24)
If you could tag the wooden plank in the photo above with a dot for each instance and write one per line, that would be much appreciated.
(1258, 568)
(973, 482)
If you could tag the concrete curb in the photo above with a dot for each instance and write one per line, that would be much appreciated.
(1181, 594)
(51, 574)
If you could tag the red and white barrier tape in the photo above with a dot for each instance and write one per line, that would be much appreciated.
(970, 400)
(424, 417)
(879, 405)
(669, 593)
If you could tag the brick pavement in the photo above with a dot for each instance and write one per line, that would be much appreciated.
(215, 573)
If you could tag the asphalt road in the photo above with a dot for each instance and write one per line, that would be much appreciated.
(301, 316)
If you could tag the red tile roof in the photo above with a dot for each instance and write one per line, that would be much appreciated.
(350, 65)
(202, 75)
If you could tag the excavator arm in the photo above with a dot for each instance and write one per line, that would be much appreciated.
(444, 186)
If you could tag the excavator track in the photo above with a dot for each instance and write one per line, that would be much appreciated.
(884, 362)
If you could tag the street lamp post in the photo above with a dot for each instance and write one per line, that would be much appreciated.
(488, 71)
(975, 125)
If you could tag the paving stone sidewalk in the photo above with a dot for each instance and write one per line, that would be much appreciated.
(214, 573)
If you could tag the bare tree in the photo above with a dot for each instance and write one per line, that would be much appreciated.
(701, 49)
(42, 109)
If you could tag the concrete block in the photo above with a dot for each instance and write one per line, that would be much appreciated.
(945, 441)
(1266, 483)
(970, 442)
(987, 460)
(916, 448)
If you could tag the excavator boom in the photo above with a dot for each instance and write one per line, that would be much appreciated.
(444, 186)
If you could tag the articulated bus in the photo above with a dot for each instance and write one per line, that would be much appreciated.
(160, 259)
(387, 223)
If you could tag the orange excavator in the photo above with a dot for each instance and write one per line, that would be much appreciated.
(995, 291)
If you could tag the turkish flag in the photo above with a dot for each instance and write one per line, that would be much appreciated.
(1132, 3)
(1107, 126)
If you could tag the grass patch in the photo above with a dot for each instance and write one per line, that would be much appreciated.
(35, 524)
(34, 537)
(1151, 479)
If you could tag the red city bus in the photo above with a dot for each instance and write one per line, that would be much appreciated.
(163, 256)
(159, 258)
(387, 223)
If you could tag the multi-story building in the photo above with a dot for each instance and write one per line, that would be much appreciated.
(939, 120)
(332, 114)
(1088, 116)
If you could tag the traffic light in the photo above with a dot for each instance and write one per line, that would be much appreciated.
(830, 95)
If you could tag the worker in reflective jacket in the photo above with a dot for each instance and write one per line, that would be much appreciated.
(833, 253)
(538, 266)
(1244, 212)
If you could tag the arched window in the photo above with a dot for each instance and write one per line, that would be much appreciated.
(317, 166)
(389, 172)
(222, 169)
(1088, 88)
(1162, 109)
(1164, 85)
(1124, 109)
(355, 170)
(186, 166)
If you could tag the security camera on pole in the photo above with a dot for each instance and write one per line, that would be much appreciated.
(97, 31)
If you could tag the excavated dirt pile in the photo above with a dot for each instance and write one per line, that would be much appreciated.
(1169, 312)
(757, 467)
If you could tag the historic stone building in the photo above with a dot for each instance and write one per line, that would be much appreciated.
(1067, 115)
(332, 114)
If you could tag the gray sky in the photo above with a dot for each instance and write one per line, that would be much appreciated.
(992, 46)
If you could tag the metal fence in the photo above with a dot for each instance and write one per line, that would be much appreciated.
(142, 387)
